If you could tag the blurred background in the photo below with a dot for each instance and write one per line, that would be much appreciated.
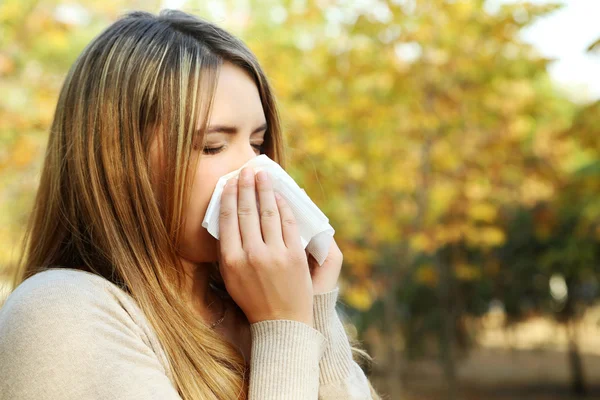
(454, 145)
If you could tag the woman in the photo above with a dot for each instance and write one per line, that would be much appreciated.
(121, 293)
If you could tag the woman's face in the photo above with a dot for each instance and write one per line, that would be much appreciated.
(234, 135)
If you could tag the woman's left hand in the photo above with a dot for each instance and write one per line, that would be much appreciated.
(325, 277)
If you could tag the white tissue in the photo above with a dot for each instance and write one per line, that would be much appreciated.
(316, 233)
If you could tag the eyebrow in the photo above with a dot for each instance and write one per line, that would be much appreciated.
(232, 129)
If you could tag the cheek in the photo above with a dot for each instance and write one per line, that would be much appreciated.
(205, 180)
(197, 244)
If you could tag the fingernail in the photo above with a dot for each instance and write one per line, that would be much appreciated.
(261, 176)
(231, 182)
(277, 196)
(247, 173)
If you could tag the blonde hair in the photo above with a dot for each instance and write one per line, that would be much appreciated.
(96, 208)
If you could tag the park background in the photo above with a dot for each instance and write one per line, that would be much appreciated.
(454, 145)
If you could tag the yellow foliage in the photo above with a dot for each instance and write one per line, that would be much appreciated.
(356, 170)
(441, 198)
(57, 39)
(427, 275)
(488, 236)
(7, 65)
(388, 229)
(358, 255)
(359, 297)
(316, 144)
(492, 236)
(422, 242)
(10, 11)
(305, 116)
(451, 233)
(534, 190)
(466, 272)
(445, 156)
(22, 152)
(477, 190)
(521, 126)
(484, 212)
(401, 182)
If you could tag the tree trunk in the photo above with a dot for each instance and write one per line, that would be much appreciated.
(393, 362)
(447, 339)
(578, 386)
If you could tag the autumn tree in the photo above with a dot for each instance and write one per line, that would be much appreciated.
(411, 124)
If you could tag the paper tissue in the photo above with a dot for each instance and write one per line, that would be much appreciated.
(316, 233)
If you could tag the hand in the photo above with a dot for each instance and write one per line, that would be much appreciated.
(261, 258)
(325, 277)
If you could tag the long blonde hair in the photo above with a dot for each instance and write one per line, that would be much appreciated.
(96, 208)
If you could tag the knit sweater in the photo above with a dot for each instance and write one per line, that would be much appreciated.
(67, 334)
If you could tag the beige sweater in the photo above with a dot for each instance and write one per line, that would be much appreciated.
(67, 334)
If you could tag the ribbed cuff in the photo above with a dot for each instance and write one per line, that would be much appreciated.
(284, 362)
(324, 308)
(336, 363)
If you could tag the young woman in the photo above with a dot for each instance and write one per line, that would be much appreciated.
(121, 294)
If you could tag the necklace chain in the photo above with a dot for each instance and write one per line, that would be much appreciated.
(217, 322)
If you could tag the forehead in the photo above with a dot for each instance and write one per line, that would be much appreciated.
(237, 101)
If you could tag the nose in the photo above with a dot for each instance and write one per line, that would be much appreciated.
(246, 154)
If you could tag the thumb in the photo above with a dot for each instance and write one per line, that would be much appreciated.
(312, 263)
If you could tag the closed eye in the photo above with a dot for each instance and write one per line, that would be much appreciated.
(215, 150)
(212, 150)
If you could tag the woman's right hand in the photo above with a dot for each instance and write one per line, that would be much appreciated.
(261, 259)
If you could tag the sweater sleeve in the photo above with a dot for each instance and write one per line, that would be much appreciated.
(340, 376)
(284, 360)
(64, 341)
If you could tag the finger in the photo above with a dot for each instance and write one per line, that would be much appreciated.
(229, 231)
(289, 226)
(247, 209)
(270, 221)
(312, 263)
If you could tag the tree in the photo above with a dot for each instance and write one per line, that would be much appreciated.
(411, 129)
